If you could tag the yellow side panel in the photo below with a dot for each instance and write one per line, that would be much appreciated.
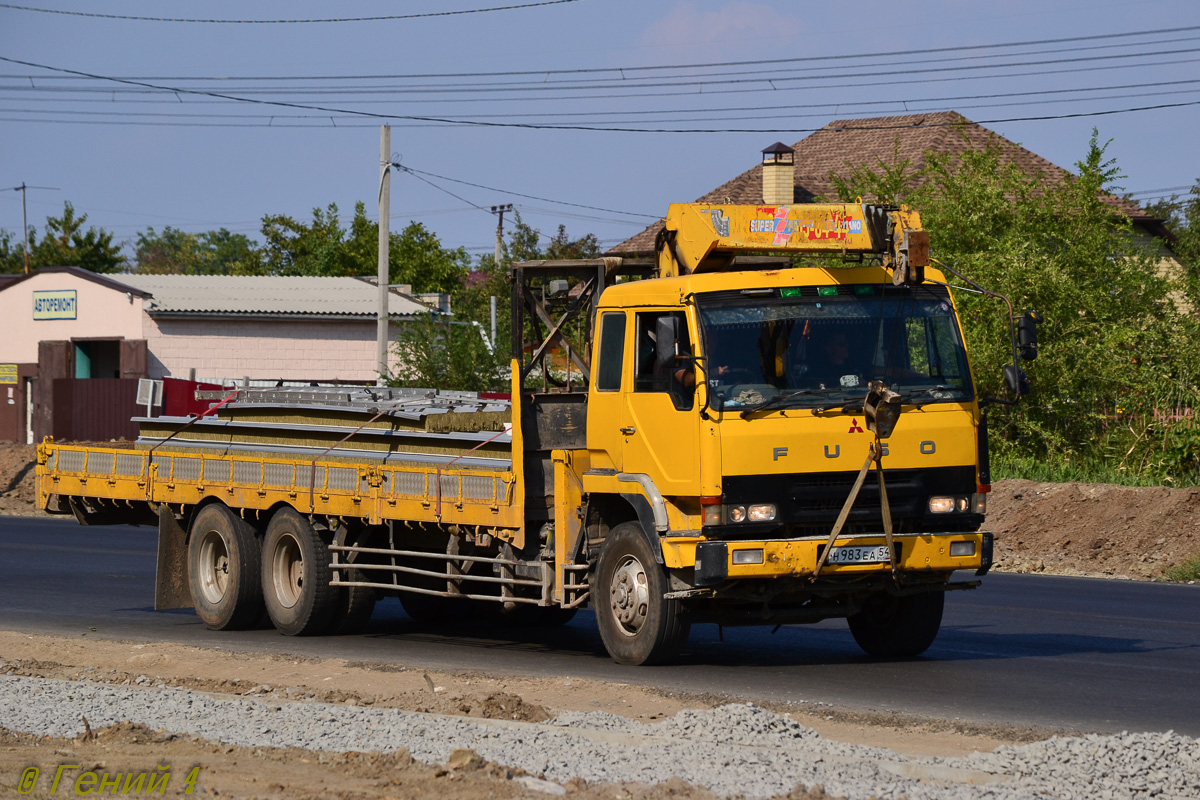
(366, 491)
(703, 228)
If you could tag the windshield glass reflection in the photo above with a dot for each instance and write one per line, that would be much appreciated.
(811, 346)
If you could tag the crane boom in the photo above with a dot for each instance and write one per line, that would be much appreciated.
(705, 237)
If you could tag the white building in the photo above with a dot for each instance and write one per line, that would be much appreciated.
(68, 323)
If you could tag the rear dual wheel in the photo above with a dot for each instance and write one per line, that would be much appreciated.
(296, 575)
(223, 569)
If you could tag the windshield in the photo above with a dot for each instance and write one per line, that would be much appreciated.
(821, 345)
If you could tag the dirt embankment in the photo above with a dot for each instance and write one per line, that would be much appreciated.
(17, 462)
(1060, 528)
(1093, 529)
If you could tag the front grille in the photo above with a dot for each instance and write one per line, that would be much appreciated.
(808, 504)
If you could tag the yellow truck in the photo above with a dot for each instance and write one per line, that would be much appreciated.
(773, 421)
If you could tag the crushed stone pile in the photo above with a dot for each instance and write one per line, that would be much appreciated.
(735, 750)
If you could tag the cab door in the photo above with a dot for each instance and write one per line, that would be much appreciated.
(610, 381)
(660, 427)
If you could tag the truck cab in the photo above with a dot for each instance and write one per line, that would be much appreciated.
(747, 432)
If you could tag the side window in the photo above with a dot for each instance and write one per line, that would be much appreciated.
(676, 376)
(612, 351)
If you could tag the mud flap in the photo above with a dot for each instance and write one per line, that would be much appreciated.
(171, 586)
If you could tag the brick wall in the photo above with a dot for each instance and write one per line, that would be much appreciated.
(263, 349)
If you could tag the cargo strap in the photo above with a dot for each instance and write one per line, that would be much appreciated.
(438, 509)
(874, 455)
(195, 418)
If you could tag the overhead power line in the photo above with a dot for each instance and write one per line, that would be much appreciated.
(530, 196)
(622, 73)
(540, 126)
(776, 81)
(388, 17)
(792, 112)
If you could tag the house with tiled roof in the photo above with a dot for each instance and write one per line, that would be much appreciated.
(842, 145)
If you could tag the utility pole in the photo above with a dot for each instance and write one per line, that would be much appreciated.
(25, 218)
(385, 202)
(25, 228)
(499, 211)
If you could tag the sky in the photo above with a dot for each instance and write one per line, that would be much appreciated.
(594, 114)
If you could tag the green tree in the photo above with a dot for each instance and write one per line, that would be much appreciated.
(325, 247)
(1181, 216)
(64, 244)
(11, 254)
(291, 247)
(442, 352)
(1116, 352)
(459, 359)
(173, 251)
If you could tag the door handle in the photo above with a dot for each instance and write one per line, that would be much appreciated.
(629, 431)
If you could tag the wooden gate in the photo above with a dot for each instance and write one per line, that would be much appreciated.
(95, 409)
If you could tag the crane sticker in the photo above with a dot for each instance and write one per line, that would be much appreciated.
(835, 227)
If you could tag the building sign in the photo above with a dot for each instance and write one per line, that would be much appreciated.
(59, 304)
(8, 373)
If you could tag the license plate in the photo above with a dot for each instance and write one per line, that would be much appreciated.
(875, 554)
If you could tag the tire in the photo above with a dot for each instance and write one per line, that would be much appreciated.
(893, 626)
(296, 575)
(223, 567)
(638, 626)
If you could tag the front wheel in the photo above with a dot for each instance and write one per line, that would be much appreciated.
(637, 624)
(898, 626)
(296, 575)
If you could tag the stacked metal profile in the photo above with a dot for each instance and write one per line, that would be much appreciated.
(383, 424)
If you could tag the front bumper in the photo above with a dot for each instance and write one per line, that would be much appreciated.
(716, 562)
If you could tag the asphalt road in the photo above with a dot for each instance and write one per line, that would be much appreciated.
(1074, 653)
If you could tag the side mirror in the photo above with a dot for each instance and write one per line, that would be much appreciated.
(666, 342)
(1027, 343)
(1017, 380)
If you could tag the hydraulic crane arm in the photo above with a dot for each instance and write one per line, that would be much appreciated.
(703, 237)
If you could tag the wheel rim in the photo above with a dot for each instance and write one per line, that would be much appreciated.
(629, 595)
(287, 571)
(214, 567)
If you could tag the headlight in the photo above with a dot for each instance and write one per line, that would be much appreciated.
(734, 515)
(941, 505)
(763, 512)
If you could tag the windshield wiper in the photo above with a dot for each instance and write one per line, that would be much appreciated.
(779, 401)
(910, 397)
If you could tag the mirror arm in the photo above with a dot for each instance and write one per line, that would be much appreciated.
(1012, 325)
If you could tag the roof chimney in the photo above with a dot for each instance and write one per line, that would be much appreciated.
(779, 177)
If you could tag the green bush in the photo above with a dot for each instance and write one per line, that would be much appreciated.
(1118, 367)
(1187, 571)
